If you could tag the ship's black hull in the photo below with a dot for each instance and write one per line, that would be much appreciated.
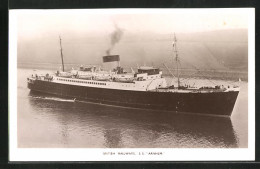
(215, 103)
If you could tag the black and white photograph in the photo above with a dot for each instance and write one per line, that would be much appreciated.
(131, 84)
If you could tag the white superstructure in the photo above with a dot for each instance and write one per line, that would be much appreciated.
(145, 79)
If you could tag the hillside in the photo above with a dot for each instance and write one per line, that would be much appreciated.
(216, 50)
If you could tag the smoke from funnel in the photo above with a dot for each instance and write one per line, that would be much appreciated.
(115, 38)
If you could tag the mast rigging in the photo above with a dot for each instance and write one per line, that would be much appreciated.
(176, 58)
(61, 55)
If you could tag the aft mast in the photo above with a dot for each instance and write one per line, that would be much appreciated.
(61, 56)
(176, 58)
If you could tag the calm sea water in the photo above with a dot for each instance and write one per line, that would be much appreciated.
(47, 121)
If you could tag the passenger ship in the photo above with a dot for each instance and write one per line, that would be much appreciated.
(144, 89)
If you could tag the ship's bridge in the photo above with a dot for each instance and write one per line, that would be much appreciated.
(149, 70)
(148, 73)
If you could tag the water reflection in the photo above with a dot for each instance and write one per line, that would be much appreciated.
(113, 138)
(89, 125)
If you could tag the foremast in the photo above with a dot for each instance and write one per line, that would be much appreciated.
(176, 58)
(61, 56)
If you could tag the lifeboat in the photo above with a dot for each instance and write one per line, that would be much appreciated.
(126, 78)
(64, 74)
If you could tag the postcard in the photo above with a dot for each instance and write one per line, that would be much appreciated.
(132, 84)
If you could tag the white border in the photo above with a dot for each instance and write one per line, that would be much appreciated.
(96, 154)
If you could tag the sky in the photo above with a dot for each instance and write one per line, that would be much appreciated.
(33, 23)
(140, 35)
